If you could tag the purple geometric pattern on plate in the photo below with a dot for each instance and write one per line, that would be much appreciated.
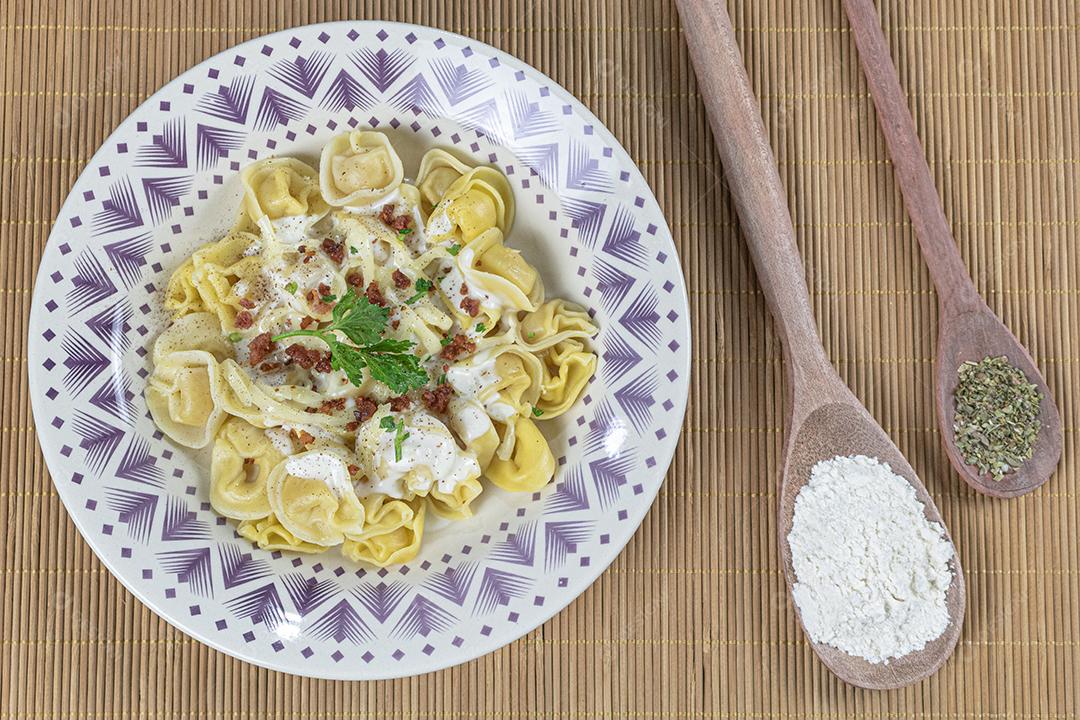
(229, 102)
(191, 567)
(519, 548)
(138, 465)
(458, 82)
(380, 67)
(90, 285)
(120, 211)
(307, 594)
(83, 361)
(345, 93)
(561, 538)
(163, 194)
(342, 623)
(213, 143)
(133, 217)
(261, 605)
(303, 74)
(135, 509)
(381, 600)
(636, 398)
(180, 523)
(453, 583)
(167, 150)
(238, 566)
(277, 108)
(109, 326)
(129, 256)
(99, 439)
(499, 587)
(422, 617)
(570, 494)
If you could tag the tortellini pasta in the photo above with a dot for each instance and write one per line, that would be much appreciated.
(312, 496)
(359, 352)
(531, 465)
(567, 370)
(182, 395)
(242, 460)
(359, 167)
(279, 188)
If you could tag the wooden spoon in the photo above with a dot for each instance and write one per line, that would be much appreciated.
(967, 329)
(824, 419)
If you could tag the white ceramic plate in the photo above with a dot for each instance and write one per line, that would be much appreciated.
(166, 181)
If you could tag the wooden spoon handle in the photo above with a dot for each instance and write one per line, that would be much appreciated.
(750, 172)
(921, 198)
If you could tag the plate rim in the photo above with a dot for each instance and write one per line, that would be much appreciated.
(472, 650)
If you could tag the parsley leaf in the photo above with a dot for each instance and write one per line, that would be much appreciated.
(454, 249)
(235, 337)
(422, 287)
(537, 412)
(291, 288)
(399, 440)
(388, 361)
(387, 423)
(481, 327)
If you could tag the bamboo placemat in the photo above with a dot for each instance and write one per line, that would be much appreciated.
(692, 621)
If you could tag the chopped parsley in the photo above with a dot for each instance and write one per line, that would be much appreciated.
(404, 231)
(291, 288)
(532, 335)
(441, 380)
(446, 341)
(423, 285)
(400, 436)
(329, 298)
(537, 412)
(389, 361)
(454, 249)
(353, 250)
(481, 328)
(235, 337)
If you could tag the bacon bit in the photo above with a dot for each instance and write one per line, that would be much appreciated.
(386, 214)
(244, 320)
(395, 324)
(401, 280)
(401, 222)
(324, 289)
(307, 322)
(269, 367)
(460, 345)
(335, 250)
(311, 410)
(302, 249)
(315, 302)
(260, 346)
(471, 305)
(303, 356)
(245, 303)
(329, 407)
(374, 294)
(248, 461)
(304, 437)
(464, 289)
(324, 365)
(356, 281)
(438, 400)
(400, 403)
(352, 426)
(365, 409)
(353, 469)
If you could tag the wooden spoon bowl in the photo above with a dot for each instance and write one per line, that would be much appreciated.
(971, 331)
(824, 419)
(846, 428)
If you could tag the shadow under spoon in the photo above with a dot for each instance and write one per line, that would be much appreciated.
(967, 328)
(824, 419)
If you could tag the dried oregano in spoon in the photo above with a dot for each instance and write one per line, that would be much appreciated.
(997, 416)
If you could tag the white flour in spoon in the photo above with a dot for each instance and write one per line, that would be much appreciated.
(872, 572)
